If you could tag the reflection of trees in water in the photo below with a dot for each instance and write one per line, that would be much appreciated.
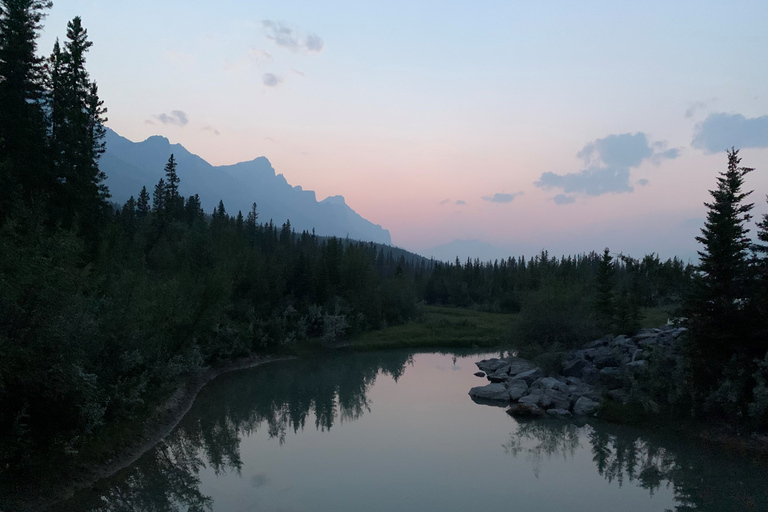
(538, 439)
(279, 396)
(702, 479)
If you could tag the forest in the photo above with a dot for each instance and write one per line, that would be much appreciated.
(105, 308)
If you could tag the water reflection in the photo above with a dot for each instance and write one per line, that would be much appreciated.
(283, 398)
(279, 397)
(701, 479)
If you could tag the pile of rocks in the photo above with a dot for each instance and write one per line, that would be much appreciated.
(599, 369)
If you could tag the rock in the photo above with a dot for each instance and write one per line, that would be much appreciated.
(530, 375)
(547, 383)
(605, 357)
(611, 377)
(559, 400)
(499, 375)
(517, 389)
(573, 381)
(519, 410)
(637, 354)
(560, 413)
(491, 365)
(605, 340)
(518, 365)
(636, 365)
(479, 374)
(574, 368)
(494, 391)
(532, 399)
(584, 406)
(590, 374)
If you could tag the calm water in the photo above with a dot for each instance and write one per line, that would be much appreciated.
(397, 431)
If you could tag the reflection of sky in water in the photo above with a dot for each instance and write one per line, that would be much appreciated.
(424, 445)
(393, 432)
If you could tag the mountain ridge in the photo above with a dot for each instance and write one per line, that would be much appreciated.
(130, 165)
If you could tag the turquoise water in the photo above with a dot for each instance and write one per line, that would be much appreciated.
(396, 431)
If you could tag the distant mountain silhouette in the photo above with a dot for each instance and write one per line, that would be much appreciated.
(131, 165)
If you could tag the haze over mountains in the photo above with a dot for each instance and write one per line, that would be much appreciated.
(131, 165)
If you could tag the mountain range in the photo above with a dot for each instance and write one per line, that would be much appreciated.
(131, 165)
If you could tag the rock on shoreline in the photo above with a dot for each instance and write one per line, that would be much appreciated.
(598, 370)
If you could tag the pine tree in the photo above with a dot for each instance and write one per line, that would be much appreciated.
(142, 204)
(171, 181)
(77, 130)
(158, 197)
(604, 306)
(22, 121)
(718, 324)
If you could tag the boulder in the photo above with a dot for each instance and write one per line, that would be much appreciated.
(584, 407)
(619, 395)
(494, 391)
(532, 399)
(611, 377)
(518, 365)
(517, 389)
(636, 365)
(491, 365)
(479, 374)
(547, 383)
(605, 340)
(574, 367)
(590, 374)
(499, 375)
(559, 413)
(530, 375)
(519, 410)
(558, 399)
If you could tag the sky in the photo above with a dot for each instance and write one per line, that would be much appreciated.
(481, 128)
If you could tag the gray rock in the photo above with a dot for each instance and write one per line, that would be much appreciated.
(574, 368)
(605, 340)
(518, 365)
(517, 389)
(637, 354)
(532, 399)
(584, 406)
(499, 375)
(611, 377)
(619, 395)
(519, 410)
(491, 365)
(494, 391)
(573, 381)
(479, 374)
(530, 375)
(559, 413)
(590, 374)
(559, 400)
(548, 383)
(636, 365)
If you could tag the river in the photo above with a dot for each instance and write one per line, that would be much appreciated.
(397, 431)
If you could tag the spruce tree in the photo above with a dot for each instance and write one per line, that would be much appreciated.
(716, 309)
(604, 306)
(158, 197)
(22, 122)
(142, 204)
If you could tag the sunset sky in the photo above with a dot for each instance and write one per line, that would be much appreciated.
(569, 126)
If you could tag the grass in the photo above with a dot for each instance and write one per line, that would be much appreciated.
(442, 327)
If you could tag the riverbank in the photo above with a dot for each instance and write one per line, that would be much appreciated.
(163, 419)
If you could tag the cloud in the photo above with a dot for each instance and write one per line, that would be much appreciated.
(300, 73)
(211, 129)
(176, 118)
(271, 79)
(721, 131)
(698, 106)
(501, 197)
(445, 201)
(259, 56)
(642, 182)
(460, 202)
(563, 199)
(290, 38)
(608, 164)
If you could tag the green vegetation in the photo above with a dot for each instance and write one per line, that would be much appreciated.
(443, 327)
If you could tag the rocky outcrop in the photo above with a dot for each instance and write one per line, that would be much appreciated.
(599, 370)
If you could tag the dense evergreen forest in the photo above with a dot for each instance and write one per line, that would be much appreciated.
(104, 308)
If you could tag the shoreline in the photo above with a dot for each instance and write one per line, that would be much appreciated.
(165, 417)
